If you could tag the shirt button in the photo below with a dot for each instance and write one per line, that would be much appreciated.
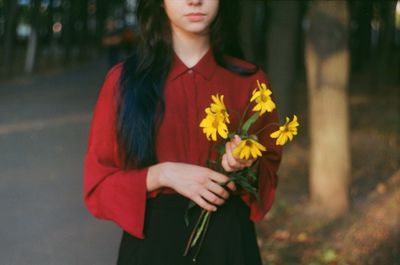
(190, 71)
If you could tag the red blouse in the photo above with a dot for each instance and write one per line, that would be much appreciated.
(120, 195)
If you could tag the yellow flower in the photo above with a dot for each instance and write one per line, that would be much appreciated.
(218, 106)
(214, 123)
(287, 131)
(247, 148)
(262, 96)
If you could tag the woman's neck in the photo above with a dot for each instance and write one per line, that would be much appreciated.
(190, 48)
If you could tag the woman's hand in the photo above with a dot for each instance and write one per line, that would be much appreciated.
(199, 184)
(231, 163)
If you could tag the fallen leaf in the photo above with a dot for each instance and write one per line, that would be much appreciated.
(302, 237)
(281, 235)
(381, 188)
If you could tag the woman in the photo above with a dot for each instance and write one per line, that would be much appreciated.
(146, 155)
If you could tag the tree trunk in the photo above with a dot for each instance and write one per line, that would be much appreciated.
(31, 51)
(9, 41)
(102, 11)
(327, 64)
(251, 16)
(33, 39)
(67, 31)
(281, 44)
(83, 39)
(382, 69)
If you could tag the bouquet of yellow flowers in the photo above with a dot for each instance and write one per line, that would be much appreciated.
(216, 124)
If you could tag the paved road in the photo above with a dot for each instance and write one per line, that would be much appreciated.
(44, 122)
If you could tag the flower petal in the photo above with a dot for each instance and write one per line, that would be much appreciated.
(275, 134)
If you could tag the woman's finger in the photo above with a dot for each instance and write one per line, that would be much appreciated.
(211, 197)
(231, 185)
(204, 204)
(217, 177)
(246, 162)
(232, 162)
(237, 139)
(221, 179)
(226, 165)
(218, 190)
(250, 162)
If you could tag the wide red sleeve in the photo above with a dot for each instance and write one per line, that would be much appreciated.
(268, 163)
(110, 192)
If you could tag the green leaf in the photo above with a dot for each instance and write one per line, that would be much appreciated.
(220, 148)
(248, 187)
(252, 175)
(232, 135)
(329, 255)
(246, 126)
(244, 179)
(190, 206)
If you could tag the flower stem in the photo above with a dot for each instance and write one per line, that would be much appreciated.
(233, 111)
(201, 229)
(203, 212)
(203, 236)
(266, 126)
(243, 117)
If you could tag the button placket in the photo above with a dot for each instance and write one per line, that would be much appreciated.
(191, 101)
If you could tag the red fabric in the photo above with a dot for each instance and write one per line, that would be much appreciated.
(115, 194)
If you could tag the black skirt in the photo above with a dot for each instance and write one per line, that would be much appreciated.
(230, 238)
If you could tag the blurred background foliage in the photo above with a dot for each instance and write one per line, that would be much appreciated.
(336, 64)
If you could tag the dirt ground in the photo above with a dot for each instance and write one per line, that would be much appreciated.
(370, 232)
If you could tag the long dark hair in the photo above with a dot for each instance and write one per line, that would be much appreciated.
(141, 88)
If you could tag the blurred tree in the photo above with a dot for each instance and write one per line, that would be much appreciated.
(252, 15)
(53, 32)
(9, 40)
(360, 38)
(102, 11)
(82, 36)
(270, 39)
(383, 52)
(327, 64)
(33, 37)
(281, 46)
(75, 29)
(68, 28)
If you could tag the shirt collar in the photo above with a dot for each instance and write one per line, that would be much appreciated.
(205, 67)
